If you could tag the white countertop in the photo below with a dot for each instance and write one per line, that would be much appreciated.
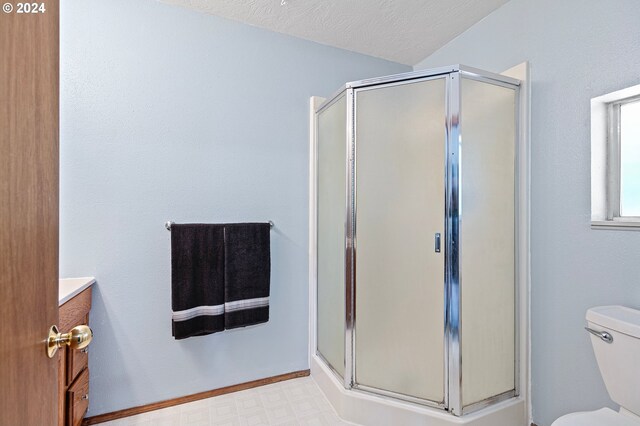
(69, 287)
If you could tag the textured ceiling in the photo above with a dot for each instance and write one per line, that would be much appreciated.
(404, 31)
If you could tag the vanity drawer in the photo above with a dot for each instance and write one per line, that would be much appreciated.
(75, 311)
(78, 399)
(76, 362)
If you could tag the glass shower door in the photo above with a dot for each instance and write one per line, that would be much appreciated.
(400, 194)
(332, 187)
(487, 243)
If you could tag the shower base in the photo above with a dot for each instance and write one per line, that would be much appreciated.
(373, 410)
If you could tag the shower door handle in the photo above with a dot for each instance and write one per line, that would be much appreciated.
(437, 241)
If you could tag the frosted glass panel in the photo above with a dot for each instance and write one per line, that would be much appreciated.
(630, 159)
(331, 244)
(400, 143)
(487, 249)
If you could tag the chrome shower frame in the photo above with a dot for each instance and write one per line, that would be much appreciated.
(452, 356)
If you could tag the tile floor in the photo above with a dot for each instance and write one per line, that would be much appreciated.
(292, 402)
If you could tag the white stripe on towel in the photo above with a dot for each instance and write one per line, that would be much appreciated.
(198, 311)
(236, 305)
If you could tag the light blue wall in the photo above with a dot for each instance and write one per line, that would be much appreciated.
(578, 49)
(168, 114)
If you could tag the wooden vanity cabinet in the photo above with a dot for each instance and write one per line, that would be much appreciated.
(73, 365)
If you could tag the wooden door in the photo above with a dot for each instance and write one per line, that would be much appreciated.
(28, 213)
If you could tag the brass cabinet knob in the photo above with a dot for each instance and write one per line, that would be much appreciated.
(78, 338)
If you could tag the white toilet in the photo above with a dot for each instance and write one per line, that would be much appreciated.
(615, 336)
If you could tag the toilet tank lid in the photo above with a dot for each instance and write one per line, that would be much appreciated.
(618, 318)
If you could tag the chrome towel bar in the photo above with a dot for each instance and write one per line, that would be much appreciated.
(169, 223)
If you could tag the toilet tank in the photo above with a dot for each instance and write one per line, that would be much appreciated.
(619, 361)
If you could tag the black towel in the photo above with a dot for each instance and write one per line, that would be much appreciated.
(247, 274)
(197, 279)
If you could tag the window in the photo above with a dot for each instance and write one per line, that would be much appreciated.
(615, 160)
(630, 159)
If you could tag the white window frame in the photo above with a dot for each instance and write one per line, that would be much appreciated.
(605, 160)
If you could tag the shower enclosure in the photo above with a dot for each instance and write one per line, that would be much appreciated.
(416, 237)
